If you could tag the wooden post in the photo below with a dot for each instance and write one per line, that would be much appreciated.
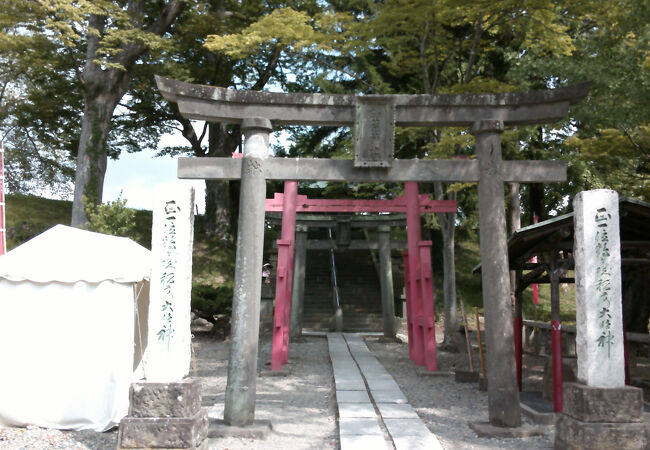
(415, 270)
(480, 342)
(518, 327)
(469, 344)
(556, 334)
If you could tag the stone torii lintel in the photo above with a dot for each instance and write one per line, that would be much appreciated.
(218, 104)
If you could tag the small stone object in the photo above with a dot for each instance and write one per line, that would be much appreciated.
(164, 415)
(463, 376)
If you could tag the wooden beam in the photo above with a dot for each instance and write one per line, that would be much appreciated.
(326, 205)
(314, 169)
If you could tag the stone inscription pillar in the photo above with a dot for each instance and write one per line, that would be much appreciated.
(599, 321)
(165, 408)
(600, 412)
(167, 357)
(239, 409)
(298, 291)
(503, 392)
(386, 281)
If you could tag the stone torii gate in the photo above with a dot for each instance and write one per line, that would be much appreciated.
(374, 118)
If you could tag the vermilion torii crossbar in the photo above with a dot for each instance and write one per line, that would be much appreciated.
(419, 299)
(318, 205)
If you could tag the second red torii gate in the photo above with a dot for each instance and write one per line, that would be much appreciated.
(418, 270)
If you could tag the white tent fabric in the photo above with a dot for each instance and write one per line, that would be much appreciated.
(67, 329)
(69, 254)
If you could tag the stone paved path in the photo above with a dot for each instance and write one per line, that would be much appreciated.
(373, 411)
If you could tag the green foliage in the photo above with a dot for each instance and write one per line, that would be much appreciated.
(284, 27)
(212, 300)
(111, 217)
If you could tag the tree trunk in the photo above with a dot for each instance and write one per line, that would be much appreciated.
(92, 154)
(103, 89)
(218, 207)
(447, 223)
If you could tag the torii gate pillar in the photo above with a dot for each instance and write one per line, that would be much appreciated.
(503, 396)
(242, 369)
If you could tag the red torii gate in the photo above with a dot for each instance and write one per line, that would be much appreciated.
(417, 264)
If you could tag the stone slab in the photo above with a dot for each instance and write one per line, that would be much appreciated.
(397, 411)
(360, 442)
(350, 385)
(352, 397)
(175, 399)
(359, 426)
(259, 429)
(484, 429)
(406, 427)
(574, 434)
(429, 442)
(174, 432)
(382, 384)
(593, 404)
(462, 376)
(275, 373)
(388, 396)
(421, 371)
(350, 410)
(541, 418)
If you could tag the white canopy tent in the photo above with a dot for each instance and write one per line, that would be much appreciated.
(69, 338)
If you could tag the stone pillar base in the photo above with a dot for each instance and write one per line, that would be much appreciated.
(601, 418)
(164, 415)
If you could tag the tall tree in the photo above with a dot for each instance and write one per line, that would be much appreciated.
(104, 41)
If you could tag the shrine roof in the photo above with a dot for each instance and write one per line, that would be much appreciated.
(557, 234)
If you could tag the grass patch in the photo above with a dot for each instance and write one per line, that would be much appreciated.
(28, 216)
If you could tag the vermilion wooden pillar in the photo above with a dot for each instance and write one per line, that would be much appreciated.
(413, 236)
(409, 307)
(420, 283)
(428, 319)
(284, 278)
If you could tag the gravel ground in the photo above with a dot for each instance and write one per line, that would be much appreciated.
(302, 406)
(445, 406)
